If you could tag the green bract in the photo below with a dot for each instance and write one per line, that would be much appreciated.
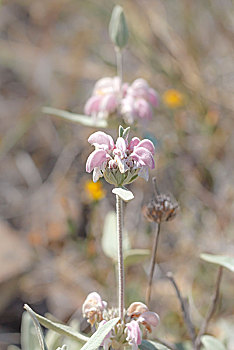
(118, 29)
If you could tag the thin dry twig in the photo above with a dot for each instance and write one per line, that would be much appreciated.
(211, 309)
(152, 263)
(184, 308)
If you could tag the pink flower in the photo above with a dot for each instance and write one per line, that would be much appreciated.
(133, 334)
(105, 98)
(93, 307)
(141, 313)
(149, 319)
(138, 101)
(119, 163)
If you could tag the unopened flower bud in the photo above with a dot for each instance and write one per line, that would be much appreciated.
(118, 29)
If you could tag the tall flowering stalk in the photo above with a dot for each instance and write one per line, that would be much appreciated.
(119, 215)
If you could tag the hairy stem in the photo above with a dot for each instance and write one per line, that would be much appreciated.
(119, 213)
(211, 309)
(119, 63)
(152, 263)
(184, 308)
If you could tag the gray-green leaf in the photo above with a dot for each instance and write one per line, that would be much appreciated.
(76, 118)
(28, 333)
(225, 261)
(150, 345)
(212, 343)
(37, 327)
(123, 193)
(61, 329)
(118, 29)
(135, 256)
(109, 237)
(97, 338)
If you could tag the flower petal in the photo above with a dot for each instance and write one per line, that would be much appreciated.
(108, 103)
(150, 318)
(143, 109)
(92, 105)
(121, 145)
(102, 140)
(147, 144)
(143, 156)
(153, 97)
(134, 142)
(95, 159)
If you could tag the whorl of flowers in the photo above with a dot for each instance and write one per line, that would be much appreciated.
(137, 321)
(132, 102)
(121, 162)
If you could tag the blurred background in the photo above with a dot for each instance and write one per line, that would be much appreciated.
(51, 226)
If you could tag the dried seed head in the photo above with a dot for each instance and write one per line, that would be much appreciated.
(160, 209)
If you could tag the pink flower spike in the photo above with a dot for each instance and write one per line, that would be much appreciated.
(101, 140)
(147, 144)
(143, 156)
(134, 336)
(96, 159)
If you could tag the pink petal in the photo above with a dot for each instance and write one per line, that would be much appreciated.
(121, 144)
(143, 109)
(95, 159)
(153, 97)
(134, 142)
(102, 139)
(109, 103)
(150, 318)
(147, 144)
(143, 156)
(103, 83)
(92, 105)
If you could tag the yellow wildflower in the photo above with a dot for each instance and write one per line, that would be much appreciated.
(94, 190)
(173, 98)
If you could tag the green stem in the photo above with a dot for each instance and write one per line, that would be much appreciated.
(119, 214)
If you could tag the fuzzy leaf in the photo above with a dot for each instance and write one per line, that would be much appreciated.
(222, 260)
(37, 327)
(76, 118)
(212, 343)
(109, 237)
(150, 345)
(135, 256)
(97, 338)
(28, 333)
(61, 329)
(123, 193)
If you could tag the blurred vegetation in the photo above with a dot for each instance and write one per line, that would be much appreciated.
(51, 53)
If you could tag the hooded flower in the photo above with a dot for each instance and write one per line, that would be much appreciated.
(133, 334)
(132, 102)
(121, 162)
(141, 313)
(105, 98)
(138, 101)
(93, 307)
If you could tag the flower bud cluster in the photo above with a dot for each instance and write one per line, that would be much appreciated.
(122, 162)
(133, 102)
(137, 321)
